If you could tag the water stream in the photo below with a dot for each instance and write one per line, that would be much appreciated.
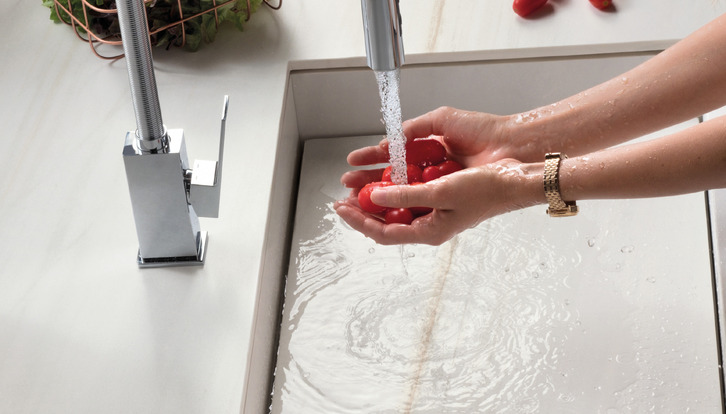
(388, 88)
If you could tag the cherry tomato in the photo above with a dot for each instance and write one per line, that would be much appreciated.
(435, 171)
(364, 197)
(526, 7)
(420, 211)
(399, 215)
(413, 173)
(425, 152)
(601, 4)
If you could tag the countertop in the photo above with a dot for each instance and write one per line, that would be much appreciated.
(82, 328)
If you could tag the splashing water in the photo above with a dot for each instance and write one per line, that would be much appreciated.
(423, 329)
(388, 88)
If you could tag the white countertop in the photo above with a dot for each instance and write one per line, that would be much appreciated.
(82, 328)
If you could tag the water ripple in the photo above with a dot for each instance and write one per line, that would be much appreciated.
(470, 326)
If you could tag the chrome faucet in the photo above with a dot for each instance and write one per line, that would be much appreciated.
(382, 29)
(167, 196)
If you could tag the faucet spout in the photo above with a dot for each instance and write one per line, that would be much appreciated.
(382, 28)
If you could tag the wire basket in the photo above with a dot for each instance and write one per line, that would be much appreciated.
(181, 23)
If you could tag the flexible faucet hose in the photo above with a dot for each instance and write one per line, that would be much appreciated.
(137, 49)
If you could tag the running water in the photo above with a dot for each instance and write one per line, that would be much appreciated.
(388, 82)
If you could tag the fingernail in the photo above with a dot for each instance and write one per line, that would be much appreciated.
(379, 196)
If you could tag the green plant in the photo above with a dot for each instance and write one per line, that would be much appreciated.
(200, 22)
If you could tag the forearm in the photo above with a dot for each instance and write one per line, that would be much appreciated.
(683, 82)
(688, 161)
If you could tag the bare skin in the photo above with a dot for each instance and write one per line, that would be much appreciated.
(503, 155)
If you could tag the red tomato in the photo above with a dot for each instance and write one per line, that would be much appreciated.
(399, 215)
(420, 211)
(525, 7)
(413, 173)
(435, 171)
(364, 197)
(601, 4)
(425, 152)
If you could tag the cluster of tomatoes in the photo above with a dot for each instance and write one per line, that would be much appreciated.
(525, 7)
(425, 161)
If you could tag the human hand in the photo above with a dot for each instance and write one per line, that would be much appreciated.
(460, 200)
(470, 138)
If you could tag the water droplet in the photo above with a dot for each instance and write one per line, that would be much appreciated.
(371, 250)
(591, 242)
(627, 249)
(650, 279)
(566, 397)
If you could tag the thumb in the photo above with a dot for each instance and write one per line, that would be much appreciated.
(402, 196)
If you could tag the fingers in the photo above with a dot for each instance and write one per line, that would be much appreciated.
(369, 155)
(422, 230)
(422, 195)
(359, 178)
(431, 123)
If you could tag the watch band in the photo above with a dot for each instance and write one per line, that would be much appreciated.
(557, 206)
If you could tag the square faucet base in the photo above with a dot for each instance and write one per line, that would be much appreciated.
(197, 260)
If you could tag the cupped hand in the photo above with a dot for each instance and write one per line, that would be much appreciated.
(460, 200)
(470, 138)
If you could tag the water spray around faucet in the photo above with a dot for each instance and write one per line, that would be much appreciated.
(167, 196)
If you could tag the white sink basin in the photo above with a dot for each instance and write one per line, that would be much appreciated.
(611, 311)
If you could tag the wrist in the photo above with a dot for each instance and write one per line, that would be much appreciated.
(525, 187)
(534, 133)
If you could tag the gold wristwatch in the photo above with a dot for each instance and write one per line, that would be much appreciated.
(558, 207)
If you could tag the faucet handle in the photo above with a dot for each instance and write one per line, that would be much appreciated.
(205, 184)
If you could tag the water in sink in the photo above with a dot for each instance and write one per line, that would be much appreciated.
(472, 326)
(522, 314)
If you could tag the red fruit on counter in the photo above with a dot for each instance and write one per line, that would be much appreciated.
(526, 7)
(601, 4)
